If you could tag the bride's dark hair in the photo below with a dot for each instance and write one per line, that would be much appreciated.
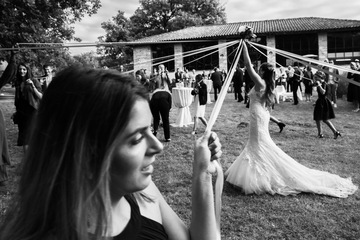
(269, 77)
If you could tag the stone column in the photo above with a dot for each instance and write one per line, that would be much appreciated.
(323, 46)
(223, 57)
(178, 54)
(271, 54)
(142, 58)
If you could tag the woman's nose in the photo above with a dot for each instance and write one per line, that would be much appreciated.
(156, 144)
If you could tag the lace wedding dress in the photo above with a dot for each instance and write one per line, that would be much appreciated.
(263, 167)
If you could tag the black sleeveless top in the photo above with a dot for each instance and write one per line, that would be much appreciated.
(140, 227)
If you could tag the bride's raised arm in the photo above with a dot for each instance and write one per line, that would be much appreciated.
(259, 83)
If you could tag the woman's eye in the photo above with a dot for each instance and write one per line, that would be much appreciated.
(137, 139)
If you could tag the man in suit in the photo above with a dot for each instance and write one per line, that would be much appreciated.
(237, 83)
(296, 82)
(216, 78)
(178, 76)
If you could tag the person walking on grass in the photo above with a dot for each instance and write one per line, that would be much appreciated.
(323, 110)
(262, 167)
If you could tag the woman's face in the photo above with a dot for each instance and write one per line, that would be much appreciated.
(132, 160)
(22, 70)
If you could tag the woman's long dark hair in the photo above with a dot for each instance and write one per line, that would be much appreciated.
(65, 174)
(28, 75)
(269, 77)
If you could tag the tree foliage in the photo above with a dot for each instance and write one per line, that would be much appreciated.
(154, 17)
(29, 21)
(117, 30)
(159, 16)
(39, 21)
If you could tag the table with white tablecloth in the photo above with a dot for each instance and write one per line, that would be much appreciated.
(209, 84)
(182, 99)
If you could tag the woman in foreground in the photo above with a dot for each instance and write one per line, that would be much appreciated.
(87, 173)
(263, 167)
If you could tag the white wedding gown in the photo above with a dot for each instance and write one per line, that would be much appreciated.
(263, 167)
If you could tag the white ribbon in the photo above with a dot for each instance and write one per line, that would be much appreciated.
(215, 166)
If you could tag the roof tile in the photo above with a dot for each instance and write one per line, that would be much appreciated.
(264, 27)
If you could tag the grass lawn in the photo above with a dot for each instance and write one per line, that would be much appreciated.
(304, 216)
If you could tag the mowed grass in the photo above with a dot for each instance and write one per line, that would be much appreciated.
(304, 216)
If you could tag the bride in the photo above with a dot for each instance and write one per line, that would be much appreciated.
(263, 167)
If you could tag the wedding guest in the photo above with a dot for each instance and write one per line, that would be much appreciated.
(178, 75)
(280, 124)
(237, 80)
(217, 80)
(262, 167)
(28, 93)
(353, 92)
(4, 152)
(192, 78)
(223, 75)
(186, 78)
(282, 77)
(308, 83)
(296, 79)
(163, 76)
(9, 73)
(200, 93)
(160, 105)
(46, 79)
(332, 83)
(290, 74)
(88, 171)
(323, 110)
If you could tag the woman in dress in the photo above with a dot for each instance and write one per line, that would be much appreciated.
(28, 93)
(200, 92)
(323, 110)
(87, 174)
(263, 167)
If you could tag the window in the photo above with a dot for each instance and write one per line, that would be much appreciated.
(343, 45)
(200, 61)
(163, 54)
(299, 44)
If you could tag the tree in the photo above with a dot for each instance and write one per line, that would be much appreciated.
(159, 16)
(41, 21)
(117, 30)
(29, 21)
(87, 60)
(153, 17)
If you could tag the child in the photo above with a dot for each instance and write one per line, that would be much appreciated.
(323, 109)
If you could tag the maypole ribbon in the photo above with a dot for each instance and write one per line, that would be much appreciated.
(215, 167)
(312, 62)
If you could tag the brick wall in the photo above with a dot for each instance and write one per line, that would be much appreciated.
(142, 58)
(178, 52)
(323, 50)
(223, 57)
(271, 54)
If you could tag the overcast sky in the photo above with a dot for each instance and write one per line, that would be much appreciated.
(89, 29)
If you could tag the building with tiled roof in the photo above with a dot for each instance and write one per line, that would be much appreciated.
(335, 39)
